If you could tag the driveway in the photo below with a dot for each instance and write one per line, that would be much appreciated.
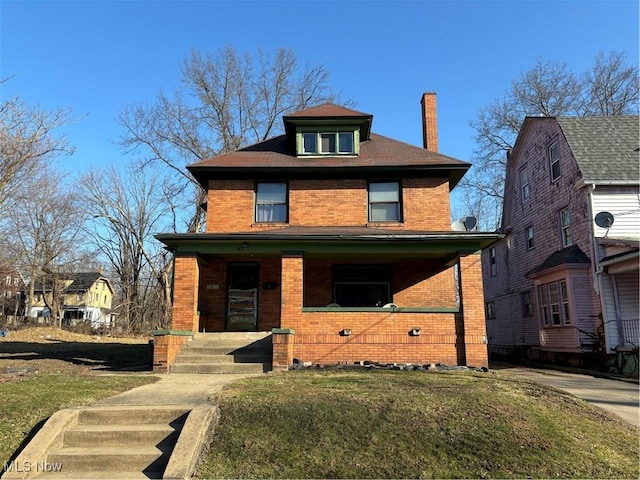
(617, 396)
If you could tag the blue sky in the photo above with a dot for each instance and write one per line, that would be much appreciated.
(98, 56)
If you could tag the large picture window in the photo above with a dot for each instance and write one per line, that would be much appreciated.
(384, 202)
(362, 285)
(271, 202)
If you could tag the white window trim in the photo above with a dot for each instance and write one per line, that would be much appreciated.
(554, 147)
(566, 237)
(525, 193)
(545, 304)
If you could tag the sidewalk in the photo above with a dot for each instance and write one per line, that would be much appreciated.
(175, 389)
(621, 397)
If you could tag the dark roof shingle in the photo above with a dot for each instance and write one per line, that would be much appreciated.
(605, 148)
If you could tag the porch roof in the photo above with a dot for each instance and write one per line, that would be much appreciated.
(325, 241)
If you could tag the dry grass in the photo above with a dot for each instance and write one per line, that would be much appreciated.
(342, 424)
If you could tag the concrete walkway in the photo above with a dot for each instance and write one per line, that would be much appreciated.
(617, 396)
(175, 389)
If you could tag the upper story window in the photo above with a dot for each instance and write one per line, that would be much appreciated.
(565, 227)
(335, 142)
(384, 202)
(493, 266)
(490, 310)
(524, 186)
(554, 161)
(530, 243)
(7, 280)
(271, 202)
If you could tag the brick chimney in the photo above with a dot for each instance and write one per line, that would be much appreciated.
(429, 122)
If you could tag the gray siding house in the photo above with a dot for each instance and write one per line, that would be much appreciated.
(562, 286)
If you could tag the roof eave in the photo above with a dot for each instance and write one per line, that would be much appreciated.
(202, 173)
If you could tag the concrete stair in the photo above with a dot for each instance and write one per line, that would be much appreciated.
(115, 442)
(226, 352)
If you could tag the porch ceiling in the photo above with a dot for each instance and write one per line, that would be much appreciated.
(332, 243)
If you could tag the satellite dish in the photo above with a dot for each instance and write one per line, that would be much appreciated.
(465, 224)
(458, 226)
(470, 223)
(604, 220)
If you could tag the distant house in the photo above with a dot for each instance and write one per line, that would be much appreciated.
(562, 286)
(12, 295)
(85, 296)
(337, 242)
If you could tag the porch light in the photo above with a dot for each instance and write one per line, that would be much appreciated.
(345, 332)
(414, 332)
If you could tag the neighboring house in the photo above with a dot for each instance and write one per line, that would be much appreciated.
(339, 242)
(11, 292)
(85, 296)
(562, 286)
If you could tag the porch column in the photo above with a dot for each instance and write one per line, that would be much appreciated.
(472, 308)
(185, 294)
(290, 310)
(184, 322)
(291, 301)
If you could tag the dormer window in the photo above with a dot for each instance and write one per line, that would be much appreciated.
(328, 143)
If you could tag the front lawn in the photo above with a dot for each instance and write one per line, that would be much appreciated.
(390, 424)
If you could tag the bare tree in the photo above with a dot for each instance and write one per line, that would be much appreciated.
(227, 101)
(27, 140)
(549, 89)
(44, 229)
(126, 210)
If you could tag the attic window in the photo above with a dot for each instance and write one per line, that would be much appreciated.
(328, 143)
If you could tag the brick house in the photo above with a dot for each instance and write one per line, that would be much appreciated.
(562, 286)
(339, 242)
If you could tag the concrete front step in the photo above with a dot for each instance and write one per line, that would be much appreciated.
(126, 458)
(188, 357)
(221, 368)
(245, 337)
(150, 442)
(99, 475)
(117, 435)
(133, 415)
(226, 352)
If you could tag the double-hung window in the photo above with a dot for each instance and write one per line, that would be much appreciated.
(554, 304)
(271, 202)
(565, 227)
(490, 310)
(384, 202)
(524, 186)
(554, 161)
(530, 243)
(493, 267)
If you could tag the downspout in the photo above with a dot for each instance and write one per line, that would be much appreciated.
(597, 269)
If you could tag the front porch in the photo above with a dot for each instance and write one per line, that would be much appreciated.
(418, 301)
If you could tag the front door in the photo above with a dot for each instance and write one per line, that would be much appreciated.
(242, 296)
